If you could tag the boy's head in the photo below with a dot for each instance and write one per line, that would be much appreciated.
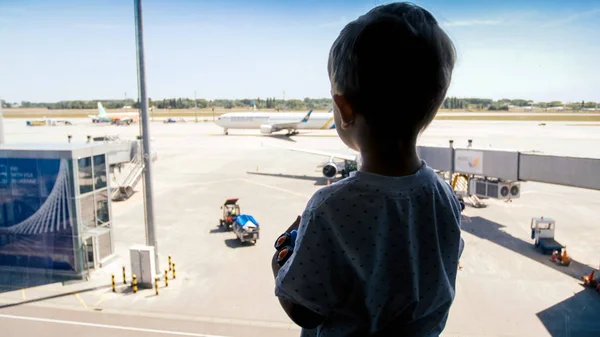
(389, 71)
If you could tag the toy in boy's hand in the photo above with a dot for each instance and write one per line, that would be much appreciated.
(286, 239)
(286, 242)
(284, 255)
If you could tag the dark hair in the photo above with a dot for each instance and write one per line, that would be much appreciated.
(394, 65)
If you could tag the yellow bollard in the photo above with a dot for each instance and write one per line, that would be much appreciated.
(134, 283)
(156, 285)
(170, 263)
(112, 278)
(166, 278)
(174, 272)
(124, 276)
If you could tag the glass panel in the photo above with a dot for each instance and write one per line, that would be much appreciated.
(99, 171)
(89, 252)
(102, 215)
(85, 175)
(104, 245)
(88, 213)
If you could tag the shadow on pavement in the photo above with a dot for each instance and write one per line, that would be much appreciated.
(235, 243)
(220, 229)
(492, 231)
(41, 299)
(575, 316)
(283, 137)
(17, 280)
(319, 181)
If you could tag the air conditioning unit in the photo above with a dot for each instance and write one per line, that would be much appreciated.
(494, 189)
(142, 264)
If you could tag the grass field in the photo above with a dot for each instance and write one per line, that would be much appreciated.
(35, 113)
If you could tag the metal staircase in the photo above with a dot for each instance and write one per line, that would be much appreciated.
(133, 175)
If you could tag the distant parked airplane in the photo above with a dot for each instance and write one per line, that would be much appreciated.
(114, 117)
(269, 122)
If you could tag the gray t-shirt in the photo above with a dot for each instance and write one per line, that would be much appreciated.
(377, 255)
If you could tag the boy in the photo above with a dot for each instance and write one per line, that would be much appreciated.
(377, 253)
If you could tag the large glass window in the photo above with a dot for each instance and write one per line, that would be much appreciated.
(88, 212)
(104, 245)
(102, 215)
(85, 175)
(99, 171)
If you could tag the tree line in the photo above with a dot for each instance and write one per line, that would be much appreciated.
(505, 104)
(186, 103)
(452, 103)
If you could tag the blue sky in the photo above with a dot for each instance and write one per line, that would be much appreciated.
(64, 49)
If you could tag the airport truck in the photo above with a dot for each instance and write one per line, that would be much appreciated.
(542, 231)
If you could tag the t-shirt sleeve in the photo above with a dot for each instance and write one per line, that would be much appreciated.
(312, 275)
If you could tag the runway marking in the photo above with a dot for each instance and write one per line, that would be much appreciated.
(173, 316)
(276, 188)
(107, 326)
(100, 300)
(24, 295)
(81, 300)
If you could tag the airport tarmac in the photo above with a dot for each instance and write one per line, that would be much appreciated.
(505, 288)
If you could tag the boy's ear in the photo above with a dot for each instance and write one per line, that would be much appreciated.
(346, 112)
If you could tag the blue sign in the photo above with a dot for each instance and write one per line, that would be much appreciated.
(35, 214)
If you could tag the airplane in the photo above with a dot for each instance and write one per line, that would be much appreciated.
(351, 163)
(333, 167)
(114, 117)
(269, 122)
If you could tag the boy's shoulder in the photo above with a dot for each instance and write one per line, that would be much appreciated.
(331, 192)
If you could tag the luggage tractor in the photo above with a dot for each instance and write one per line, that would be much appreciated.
(542, 231)
(231, 210)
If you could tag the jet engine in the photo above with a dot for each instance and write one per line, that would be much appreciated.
(266, 129)
(330, 170)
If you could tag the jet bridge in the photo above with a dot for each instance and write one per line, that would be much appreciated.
(496, 167)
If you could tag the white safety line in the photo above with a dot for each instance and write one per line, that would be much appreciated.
(276, 188)
(107, 326)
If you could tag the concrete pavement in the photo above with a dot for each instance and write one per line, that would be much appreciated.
(505, 289)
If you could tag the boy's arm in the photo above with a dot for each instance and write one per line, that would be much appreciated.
(297, 313)
(308, 301)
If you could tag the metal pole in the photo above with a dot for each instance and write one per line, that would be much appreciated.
(451, 145)
(195, 106)
(145, 127)
(1, 125)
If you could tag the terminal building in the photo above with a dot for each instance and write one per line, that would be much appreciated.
(55, 207)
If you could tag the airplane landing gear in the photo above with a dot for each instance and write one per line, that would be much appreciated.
(225, 132)
(291, 133)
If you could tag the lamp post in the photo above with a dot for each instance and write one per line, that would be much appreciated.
(145, 129)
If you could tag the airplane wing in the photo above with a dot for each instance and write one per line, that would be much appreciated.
(320, 153)
(292, 125)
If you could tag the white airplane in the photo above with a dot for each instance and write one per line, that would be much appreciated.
(334, 166)
(269, 122)
(351, 162)
(114, 117)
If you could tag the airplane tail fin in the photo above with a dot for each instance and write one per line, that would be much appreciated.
(101, 111)
(307, 117)
(254, 106)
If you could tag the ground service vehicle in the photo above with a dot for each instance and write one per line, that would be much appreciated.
(542, 231)
(230, 212)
